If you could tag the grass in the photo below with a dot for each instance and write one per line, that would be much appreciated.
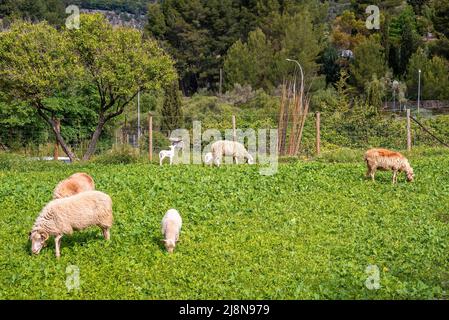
(308, 232)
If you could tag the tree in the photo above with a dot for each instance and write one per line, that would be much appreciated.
(171, 110)
(330, 66)
(434, 76)
(441, 16)
(120, 64)
(375, 92)
(36, 63)
(251, 62)
(369, 61)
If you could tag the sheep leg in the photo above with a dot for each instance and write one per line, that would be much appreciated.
(106, 233)
(58, 245)
(236, 160)
(171, 160)
(160, 160)
(373, 173)
(395, 176)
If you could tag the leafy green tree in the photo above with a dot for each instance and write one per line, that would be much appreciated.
(36, 63)
(120, 64)
(171, 109)
(441, 16)
(434, 77)
(250, 63)
(369, 61)
(375, 93)
(330, 66)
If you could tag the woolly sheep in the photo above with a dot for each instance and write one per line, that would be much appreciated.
(63, 216)
(383, 159)
(76, 183)
(230, 148)
(171, 227)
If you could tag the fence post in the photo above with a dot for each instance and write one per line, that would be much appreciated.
(409, 133)
(234, 133)
(56, 149)
(318, 133)
(150, 137)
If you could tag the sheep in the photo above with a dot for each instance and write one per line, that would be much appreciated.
(74, 184)
(388, 160)
(171, 227)
(63, 216)
(230, 148)
(167, 153)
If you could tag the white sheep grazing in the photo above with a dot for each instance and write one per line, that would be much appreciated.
(229, 148)
(76, 183)
(383, 159)
(63, 216)
(171, 227)
(167, 153)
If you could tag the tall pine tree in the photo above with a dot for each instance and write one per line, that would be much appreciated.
(171, 110)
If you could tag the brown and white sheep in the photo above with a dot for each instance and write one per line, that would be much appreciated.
(171, 227)
(229, 148)
(63, 216)
(384, 159)
(76, 183)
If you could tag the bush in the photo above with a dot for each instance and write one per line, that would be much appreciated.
(122, 154)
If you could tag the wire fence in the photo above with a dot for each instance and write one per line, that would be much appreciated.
(336, 131)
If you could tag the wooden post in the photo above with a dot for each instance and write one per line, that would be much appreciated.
(318, 134)
(150, 137)
(234, 132)
(409, 132)
(56, 149)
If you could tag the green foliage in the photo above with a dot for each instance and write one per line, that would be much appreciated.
(250, 63)
(171, 109)
(441, 16)
(369, 62)
(122, 154)
(434, 77)
(309, 231)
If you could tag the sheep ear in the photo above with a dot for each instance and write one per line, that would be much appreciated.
(163, 240)
(45, 235)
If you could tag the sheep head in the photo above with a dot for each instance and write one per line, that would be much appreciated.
(410, 175)
(38, 240)
(169, 245)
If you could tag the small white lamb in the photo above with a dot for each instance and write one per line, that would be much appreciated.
(63, 216)
(171, 227)
(167, 153)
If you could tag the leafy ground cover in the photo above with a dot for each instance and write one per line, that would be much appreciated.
(308, 232)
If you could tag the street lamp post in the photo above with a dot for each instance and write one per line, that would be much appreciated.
(419, 89)
(300, 68)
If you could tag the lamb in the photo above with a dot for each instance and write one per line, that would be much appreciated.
(230, 148)
(171, 227)
(388, 160)
(167, 153)
(76, 183)
(63, 216)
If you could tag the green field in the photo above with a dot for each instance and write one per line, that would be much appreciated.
(308, 232)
